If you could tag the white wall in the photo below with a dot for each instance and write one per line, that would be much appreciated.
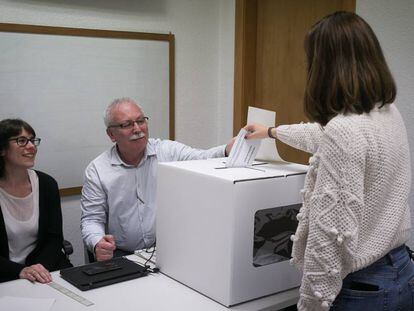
(204, 33)
(392, 22)
(71, 219)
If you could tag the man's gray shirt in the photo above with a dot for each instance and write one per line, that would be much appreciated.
(121, 197)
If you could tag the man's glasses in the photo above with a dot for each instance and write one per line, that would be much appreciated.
(23, 141)
(130, 123)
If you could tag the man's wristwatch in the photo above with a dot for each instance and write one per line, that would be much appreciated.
(269, 132)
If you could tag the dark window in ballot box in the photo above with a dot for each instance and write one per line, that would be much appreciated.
(272, 230)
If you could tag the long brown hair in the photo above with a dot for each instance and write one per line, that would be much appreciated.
(347, 71)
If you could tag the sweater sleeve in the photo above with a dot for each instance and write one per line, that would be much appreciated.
(48, 251)
(9, 270)
(334, 212)
(303, 136)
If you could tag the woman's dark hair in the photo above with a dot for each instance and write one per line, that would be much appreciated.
(347, 71)
(8, 129)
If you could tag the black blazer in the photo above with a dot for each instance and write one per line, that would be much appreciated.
(48, 250)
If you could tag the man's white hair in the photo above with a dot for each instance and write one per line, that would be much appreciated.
(115, 103)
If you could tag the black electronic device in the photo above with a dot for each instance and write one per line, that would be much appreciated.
(103, 273)
(105, 267)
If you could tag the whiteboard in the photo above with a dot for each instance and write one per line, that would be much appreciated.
(61, 84)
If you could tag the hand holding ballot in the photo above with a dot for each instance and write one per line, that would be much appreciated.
(243, 152)
(259, 131)
(258, 123)
(248, 146)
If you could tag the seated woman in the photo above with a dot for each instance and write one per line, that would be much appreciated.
(30, 216)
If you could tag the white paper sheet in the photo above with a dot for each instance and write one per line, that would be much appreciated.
(22, 303)
(243, 152)
(268, 149)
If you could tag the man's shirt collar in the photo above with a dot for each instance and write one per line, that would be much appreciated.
(116, 159)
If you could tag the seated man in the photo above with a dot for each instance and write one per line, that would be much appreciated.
(118, 195)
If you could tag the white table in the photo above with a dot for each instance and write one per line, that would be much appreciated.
(153, 292)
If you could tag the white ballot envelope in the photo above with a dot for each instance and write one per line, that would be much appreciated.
(243, 152)
(268, 149)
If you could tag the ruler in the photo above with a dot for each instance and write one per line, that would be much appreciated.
(70, 294)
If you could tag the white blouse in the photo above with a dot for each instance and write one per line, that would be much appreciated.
(21, 218)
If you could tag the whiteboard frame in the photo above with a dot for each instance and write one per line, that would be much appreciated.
(99, 33)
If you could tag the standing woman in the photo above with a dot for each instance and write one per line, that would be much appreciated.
(355, 218)
(30, 216)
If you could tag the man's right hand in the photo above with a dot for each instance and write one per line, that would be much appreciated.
(104, 249)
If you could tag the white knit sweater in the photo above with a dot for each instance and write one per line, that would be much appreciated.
(355, 199)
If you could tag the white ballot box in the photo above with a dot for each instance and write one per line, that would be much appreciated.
(225, 232)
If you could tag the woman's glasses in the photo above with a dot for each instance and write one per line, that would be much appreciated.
(23, 141)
